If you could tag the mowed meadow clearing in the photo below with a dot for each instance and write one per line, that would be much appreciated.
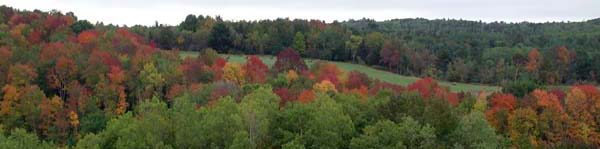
(371, 72)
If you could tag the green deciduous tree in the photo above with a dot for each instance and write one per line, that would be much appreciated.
(474, 131)
(151, 80)
(220, 124)
(19, 138)
(299, 43)
(258, 109)
(329, 125)
(354, 45)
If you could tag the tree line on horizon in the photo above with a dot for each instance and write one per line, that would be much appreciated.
(453, 50)
(67, 83)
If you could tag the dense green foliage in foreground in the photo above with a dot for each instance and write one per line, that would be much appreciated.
(330, 121)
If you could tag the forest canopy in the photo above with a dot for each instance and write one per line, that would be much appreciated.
(68, 83)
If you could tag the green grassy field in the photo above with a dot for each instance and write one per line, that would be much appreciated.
(371, 72)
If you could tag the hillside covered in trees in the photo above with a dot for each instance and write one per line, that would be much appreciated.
(68, 83)
(453, 50)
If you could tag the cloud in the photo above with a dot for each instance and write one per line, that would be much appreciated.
(172, 12)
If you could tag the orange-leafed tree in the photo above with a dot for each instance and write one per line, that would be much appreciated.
(87, 37)
(564, 57)
(506, 101)
(553, 121)
(533, 60)
(122, 101)
(328, 71)
(49, 113)
(362, 91)
(324, 86)
(74, 122)
(546, 100)
(9, 100)
(583, 102)
(21, 75)
(306, 96)
(116, 75)
(291, 76)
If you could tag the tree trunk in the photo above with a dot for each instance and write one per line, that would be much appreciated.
(516, 74)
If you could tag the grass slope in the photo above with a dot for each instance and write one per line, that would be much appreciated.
(371, 72)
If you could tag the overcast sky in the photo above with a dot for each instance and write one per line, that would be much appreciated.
(172, 12)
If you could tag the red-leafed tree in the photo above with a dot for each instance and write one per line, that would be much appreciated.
(560, 94)
(51, 51)
(357, 80)
(452, 98)
(16, 19)
(424, 86)
(256, 71)
(390, 54)
(379, 86)
(195, 71)
(217, 68)
(55, 22)
(289, 59)
(429, 88)
(501, 105)
(35, 36)
(284, 94)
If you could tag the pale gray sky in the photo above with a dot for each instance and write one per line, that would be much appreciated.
(172, 12)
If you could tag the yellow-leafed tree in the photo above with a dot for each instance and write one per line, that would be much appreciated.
(233, 72)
